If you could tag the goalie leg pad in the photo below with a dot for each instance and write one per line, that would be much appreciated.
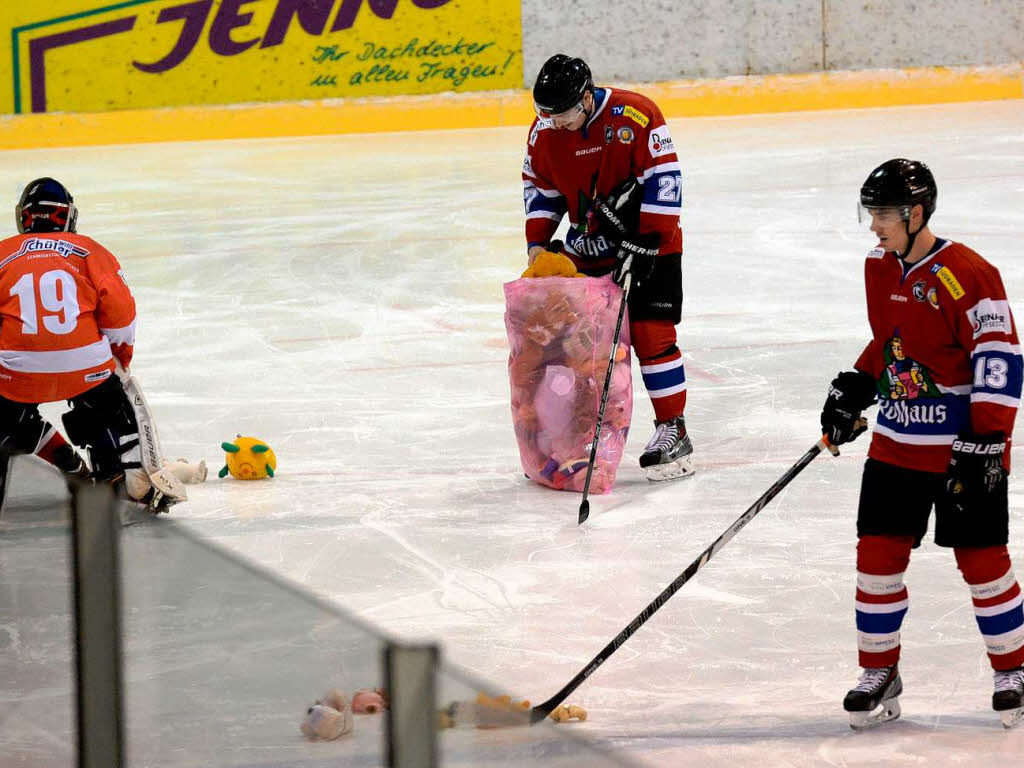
(102, 419)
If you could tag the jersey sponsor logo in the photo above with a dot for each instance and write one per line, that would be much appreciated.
(528, 165)
(534, 133)
(904, 378)
(988, 316)
(588, 150)
(637, 117)
(97, 375)
(617, 110)
(949, 280)
(63, 248)
(660, 142)
(903, 413)
(876, 253)
(625, 134)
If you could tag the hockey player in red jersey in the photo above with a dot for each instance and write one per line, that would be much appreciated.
(605, 158)
(944, 364)
(66, 316)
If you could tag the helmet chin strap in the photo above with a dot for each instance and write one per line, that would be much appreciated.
(911, 237)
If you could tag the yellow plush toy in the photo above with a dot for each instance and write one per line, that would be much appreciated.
(248, 459)
(548, 264)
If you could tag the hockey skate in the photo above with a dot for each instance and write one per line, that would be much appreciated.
(874, 700)
(1008, 699)
(668, 454)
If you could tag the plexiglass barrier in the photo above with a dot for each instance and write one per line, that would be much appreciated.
(37, 689)
(221, 659)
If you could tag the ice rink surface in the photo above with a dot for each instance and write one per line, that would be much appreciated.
(341, 298)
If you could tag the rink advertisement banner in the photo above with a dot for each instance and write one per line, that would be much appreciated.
(95, 55)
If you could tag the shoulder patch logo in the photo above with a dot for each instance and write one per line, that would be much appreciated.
(617, 110)
(990, 316)
(876, 253)
(660, 142)
(949, 280)
(637, 117)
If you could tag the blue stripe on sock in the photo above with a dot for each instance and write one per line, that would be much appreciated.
(1002, 622)
(880, 623)
(664, 379)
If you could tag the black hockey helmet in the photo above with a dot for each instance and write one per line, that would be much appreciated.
(46, 206)
(900, 184)
(560, 85)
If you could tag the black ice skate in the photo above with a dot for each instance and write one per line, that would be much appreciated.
(1008, 699)
(668, 454)
(873, 700)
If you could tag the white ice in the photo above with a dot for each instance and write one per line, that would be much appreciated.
(341, 298)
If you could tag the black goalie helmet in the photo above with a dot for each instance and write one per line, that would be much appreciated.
(900, 184)
(46, 206)
(560, 85)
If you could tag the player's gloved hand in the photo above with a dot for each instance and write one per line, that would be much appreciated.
(636, 257)
(976, 469)
(849, 394)
(615, 215)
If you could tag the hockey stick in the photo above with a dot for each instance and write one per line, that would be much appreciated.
(585, 505)
(541, 711)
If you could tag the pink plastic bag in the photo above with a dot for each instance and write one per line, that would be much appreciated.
(560, 332)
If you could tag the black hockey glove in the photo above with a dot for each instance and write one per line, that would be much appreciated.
(616, 216)
(849, 394)
(636, 257)
(976, 470)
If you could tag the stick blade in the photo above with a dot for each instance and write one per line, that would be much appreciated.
(584, 512)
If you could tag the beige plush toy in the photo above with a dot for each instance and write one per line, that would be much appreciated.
(329, 718)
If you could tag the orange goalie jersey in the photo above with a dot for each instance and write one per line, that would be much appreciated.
(65, 313)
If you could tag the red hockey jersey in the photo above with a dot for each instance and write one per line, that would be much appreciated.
(944, 352)
(65, 313)
(564, 170)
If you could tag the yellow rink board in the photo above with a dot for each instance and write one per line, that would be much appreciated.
(726, 96)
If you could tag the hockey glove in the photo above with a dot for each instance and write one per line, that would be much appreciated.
(615, 216)
(849, 394)
(636, 257)
(976, 470)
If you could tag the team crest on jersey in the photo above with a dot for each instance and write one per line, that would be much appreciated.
(609, 132)
(626, 134)
(918, 290)
(933, 297)
(904, 378)
(949, 280)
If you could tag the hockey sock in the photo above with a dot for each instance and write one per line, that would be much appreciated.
(997, 603)
(882, 597)
(661, 365)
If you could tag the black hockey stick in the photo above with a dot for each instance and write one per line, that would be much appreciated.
(541, 711)
(585, 505)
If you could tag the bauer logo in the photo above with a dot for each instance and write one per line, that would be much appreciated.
(660, 142)
(988, 316)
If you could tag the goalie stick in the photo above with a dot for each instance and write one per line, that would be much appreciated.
(541, 711)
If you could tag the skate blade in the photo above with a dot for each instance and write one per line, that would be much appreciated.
(883, 713)
(1011, 717)
(659, 473)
